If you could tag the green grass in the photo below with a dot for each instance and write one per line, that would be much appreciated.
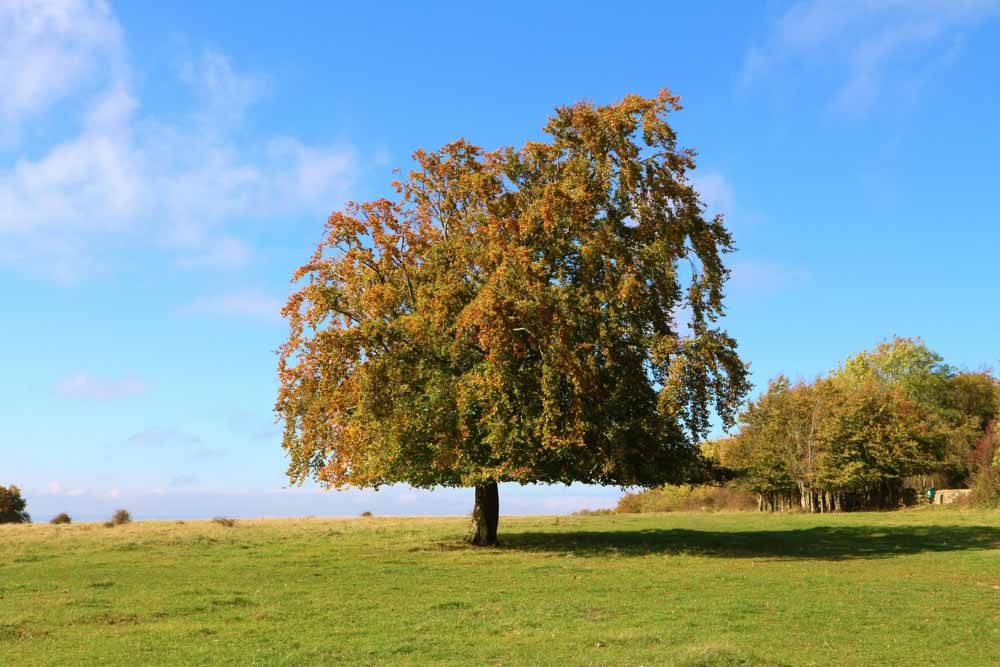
(905, 588)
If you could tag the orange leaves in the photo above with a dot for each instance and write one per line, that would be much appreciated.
(510, 315)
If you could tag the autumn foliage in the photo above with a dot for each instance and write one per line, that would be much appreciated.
(513, 315)
(13, 506)
(889, 420)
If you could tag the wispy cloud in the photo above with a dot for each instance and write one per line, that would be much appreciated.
(48, 50)
(253, 426)
(184, 182)
(157, 437)
(714, 189)
(182, 481)
(85, 385)
(866, 39)
(188, 443)
(761, 275)
(247, 304)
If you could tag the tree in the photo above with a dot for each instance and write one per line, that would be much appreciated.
(512, 316)
(959, 405)
(12, 506)
(901, 363)
(852, 440)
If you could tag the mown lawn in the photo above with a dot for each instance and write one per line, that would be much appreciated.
(905, 588)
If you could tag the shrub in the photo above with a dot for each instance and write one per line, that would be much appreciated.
(366, 514)
(224, 522)
(985, 483)
(600, 512)
(12, 506)
(119, 518)
(687, 498)
(986, 487)
(61, 518)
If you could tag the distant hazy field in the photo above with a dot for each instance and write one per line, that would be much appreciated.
(905, 588)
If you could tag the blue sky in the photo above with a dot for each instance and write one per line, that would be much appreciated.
(164, 167)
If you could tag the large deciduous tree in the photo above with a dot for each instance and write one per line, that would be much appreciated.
(541, 314)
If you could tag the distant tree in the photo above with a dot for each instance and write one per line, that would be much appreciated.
(906, 364)
(61, 518)
(852, 439)
(119, 518)
(12, 506)
(512, 317)
(958, 405)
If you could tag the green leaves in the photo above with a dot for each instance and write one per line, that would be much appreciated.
(886, 414)
(510, 317)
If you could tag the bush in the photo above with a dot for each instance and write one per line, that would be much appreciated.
(119, 518)
(367, 514)
(600, 512)
(61, 518)
(224, 522)
(985, 483)
(986, 487)
(687, 498)
(12, 506)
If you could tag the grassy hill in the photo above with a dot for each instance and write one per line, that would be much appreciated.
(918, 587)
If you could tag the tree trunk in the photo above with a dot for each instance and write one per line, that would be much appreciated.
(486, 516)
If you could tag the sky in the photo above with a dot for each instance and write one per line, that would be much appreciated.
(165, 167)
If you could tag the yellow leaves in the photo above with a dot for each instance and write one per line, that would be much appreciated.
(504, 320)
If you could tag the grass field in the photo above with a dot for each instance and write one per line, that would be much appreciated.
(906, 588)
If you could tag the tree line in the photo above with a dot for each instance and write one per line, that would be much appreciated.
(872, 434)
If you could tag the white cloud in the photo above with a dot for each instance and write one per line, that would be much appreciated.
(180, 183)
(248, 304)
(49, 49)
(866, 38)
(226, 94)
(85, 385)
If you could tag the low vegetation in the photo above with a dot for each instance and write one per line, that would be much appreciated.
(119, 518)
(894, 588)
(687, 498)
(875, 433)
(61, 518)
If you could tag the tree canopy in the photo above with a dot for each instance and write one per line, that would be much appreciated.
(514, 315)
(13, 507)
(851, 439)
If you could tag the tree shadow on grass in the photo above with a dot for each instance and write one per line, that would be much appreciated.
(819, 543)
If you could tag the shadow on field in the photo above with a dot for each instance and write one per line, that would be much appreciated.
(821, 542)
